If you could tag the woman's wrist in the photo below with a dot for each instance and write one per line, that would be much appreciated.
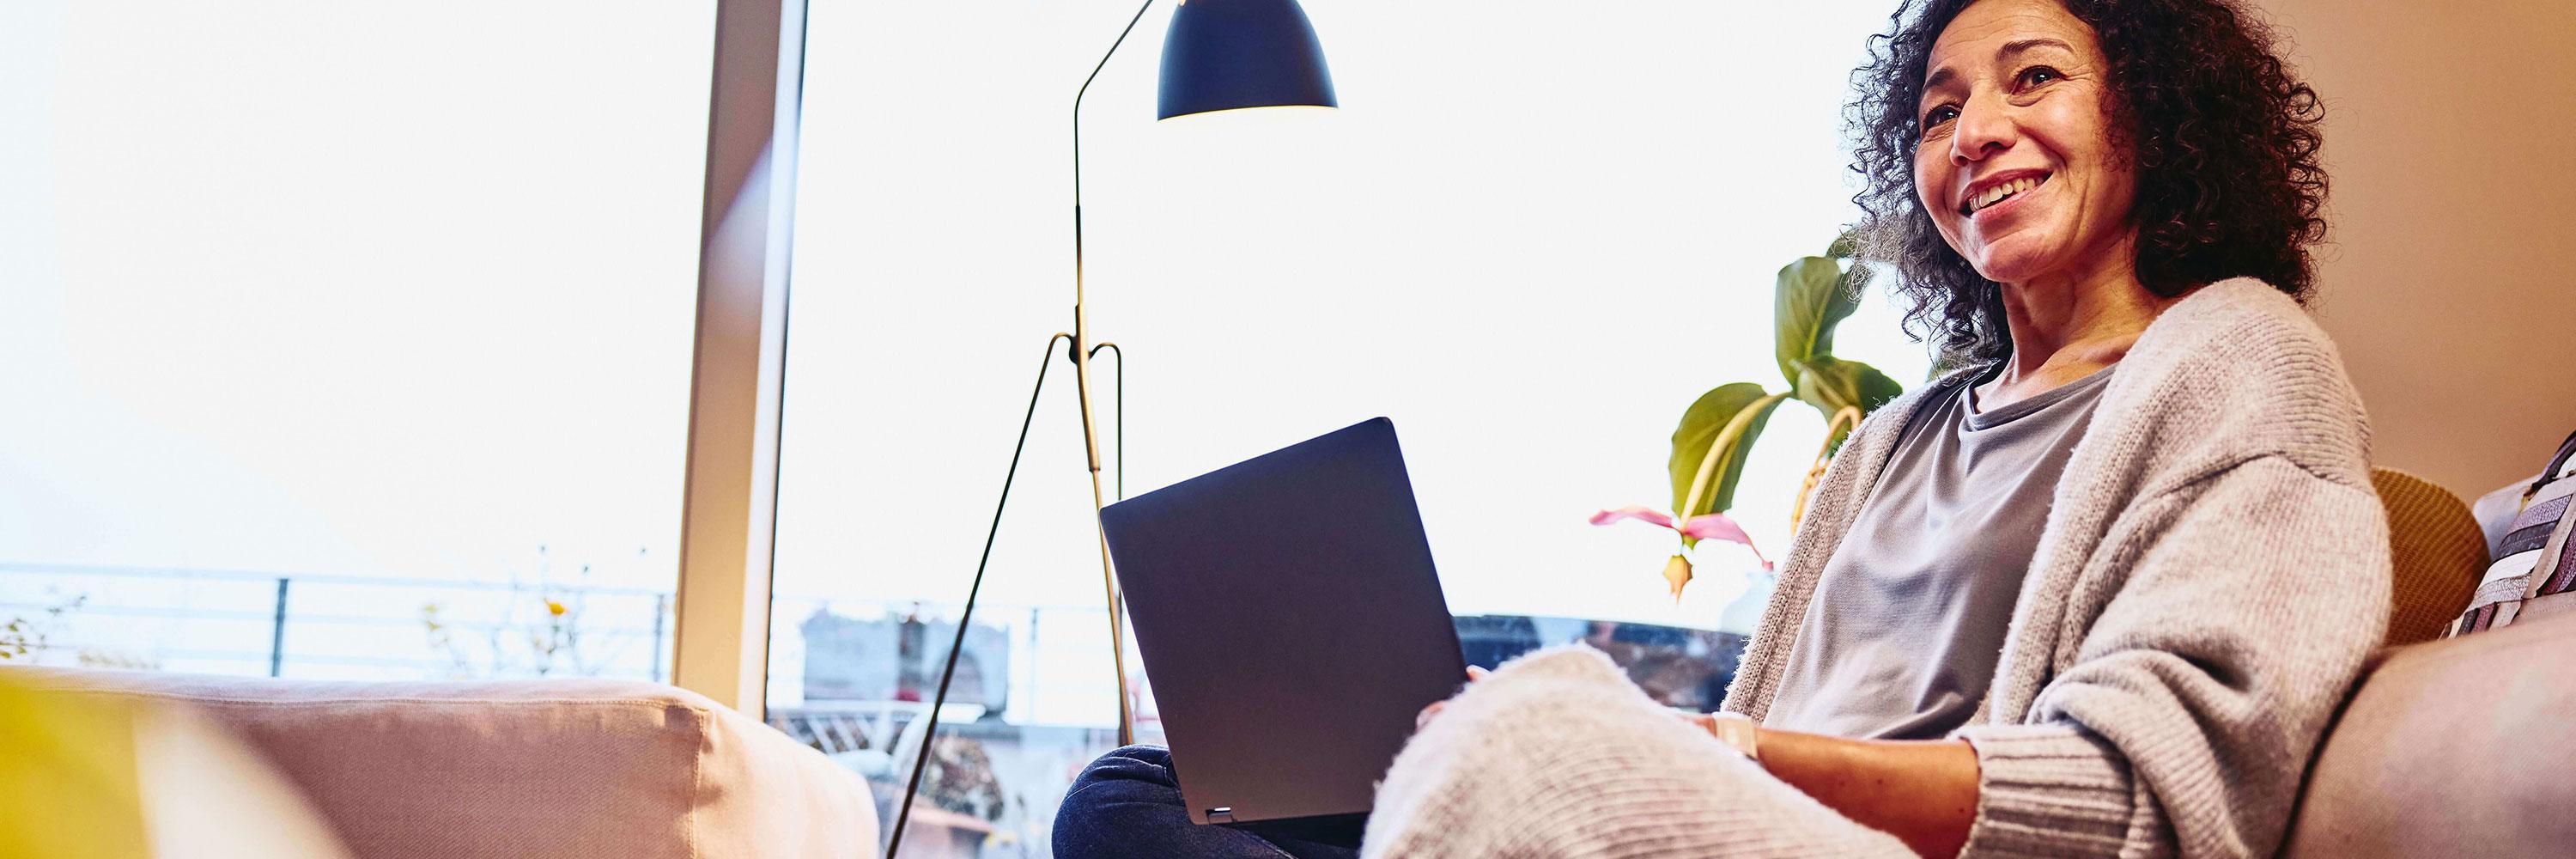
(1924, 792)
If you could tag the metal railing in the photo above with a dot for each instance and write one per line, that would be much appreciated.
(230, 620)
(327, 625)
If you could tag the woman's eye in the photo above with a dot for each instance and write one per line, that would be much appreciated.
(2036, 75)
(1938, 116)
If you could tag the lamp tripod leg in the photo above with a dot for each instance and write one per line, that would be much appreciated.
(948, 671)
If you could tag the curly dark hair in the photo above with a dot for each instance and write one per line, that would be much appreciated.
(2222, 138)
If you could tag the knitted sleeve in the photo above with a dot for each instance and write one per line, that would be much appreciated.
(2227, 617)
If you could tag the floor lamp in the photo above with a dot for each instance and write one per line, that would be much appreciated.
(1217, 55)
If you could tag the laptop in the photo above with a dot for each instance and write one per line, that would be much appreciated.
(1292, 624)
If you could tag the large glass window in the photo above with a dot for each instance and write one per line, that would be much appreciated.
(346, 340)
(1531, 236)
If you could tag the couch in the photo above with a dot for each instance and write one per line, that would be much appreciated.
(2450, 747)
(2457, 747)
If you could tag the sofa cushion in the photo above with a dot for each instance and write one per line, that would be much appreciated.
(527, 768)
(2459, 747)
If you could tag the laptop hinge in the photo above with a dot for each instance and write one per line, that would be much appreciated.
(1221, 814)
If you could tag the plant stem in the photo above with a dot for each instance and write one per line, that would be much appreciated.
(1824, 454)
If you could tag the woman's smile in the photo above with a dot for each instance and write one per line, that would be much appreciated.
(1999, 194)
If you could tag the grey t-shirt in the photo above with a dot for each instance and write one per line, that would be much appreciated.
(1908, 620)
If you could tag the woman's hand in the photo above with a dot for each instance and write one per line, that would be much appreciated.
(1424, 718)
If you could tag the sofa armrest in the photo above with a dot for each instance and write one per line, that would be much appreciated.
(527, 768)
(2459, 747)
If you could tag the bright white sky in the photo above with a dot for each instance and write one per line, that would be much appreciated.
(1529, 236)
(318, 287)
(307, 287)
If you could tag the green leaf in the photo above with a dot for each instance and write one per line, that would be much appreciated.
(1831, 384)
(1726, 421)
(1809, 301)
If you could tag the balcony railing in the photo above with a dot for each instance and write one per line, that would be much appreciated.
(1039, 658)
(323, 625)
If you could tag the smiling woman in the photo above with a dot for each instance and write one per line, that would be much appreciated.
(2175, 119)
(2094, 593)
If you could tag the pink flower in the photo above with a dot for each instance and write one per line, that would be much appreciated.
(1707, 526)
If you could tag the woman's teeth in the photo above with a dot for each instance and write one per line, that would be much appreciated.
(1998, 193)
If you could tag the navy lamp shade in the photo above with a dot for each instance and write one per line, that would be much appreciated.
(1232, 54)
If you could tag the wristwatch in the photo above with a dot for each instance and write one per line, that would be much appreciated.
(1738, 732)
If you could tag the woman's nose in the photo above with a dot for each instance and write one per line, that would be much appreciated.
(1984, 128)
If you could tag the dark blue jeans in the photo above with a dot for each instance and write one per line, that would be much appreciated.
(1128, 804)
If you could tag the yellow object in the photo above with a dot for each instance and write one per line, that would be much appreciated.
(1677, 572)
(2438, 550)
(68, 786)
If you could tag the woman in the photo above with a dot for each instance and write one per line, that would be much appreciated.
(2096, 594)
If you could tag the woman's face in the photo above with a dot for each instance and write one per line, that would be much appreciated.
(2016, 162)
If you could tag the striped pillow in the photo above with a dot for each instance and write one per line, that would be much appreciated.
(2534, 574)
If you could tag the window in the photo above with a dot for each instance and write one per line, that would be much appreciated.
(1531, 236)
(347, 342)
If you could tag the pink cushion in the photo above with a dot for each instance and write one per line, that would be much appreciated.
(528, 768)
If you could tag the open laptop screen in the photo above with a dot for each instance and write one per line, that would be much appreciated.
(1288, 612)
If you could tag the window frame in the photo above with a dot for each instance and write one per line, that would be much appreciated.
(738, 376)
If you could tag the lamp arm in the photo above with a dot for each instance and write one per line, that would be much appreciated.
(1081, 352)
(1077, 154)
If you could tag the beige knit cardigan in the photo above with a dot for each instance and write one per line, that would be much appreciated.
(2213, 572)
